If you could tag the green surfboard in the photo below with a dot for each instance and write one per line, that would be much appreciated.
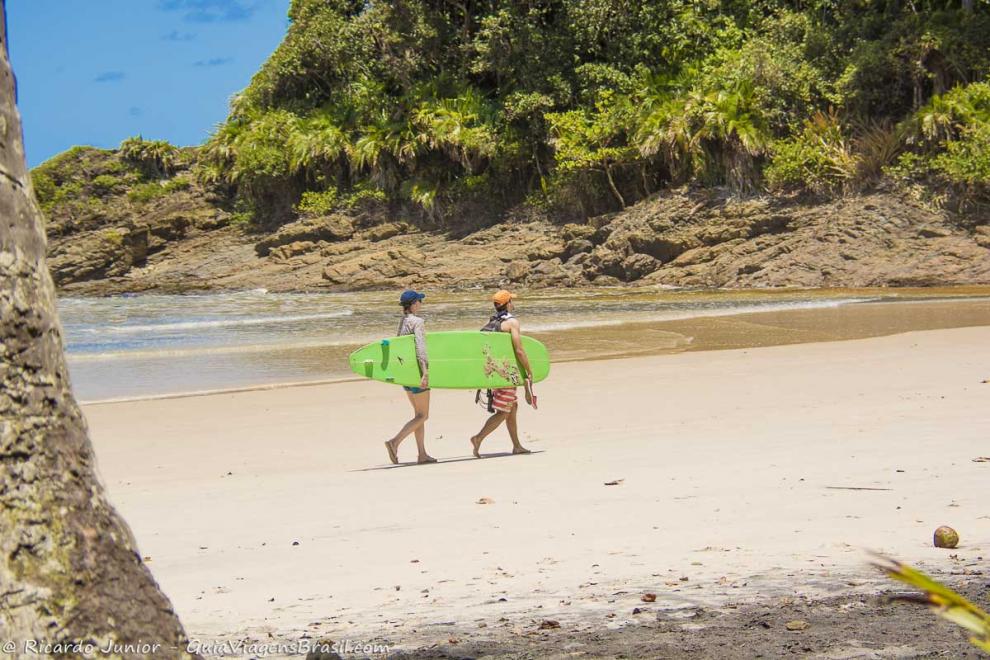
(458, 360)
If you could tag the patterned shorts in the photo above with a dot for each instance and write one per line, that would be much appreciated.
(504, 398)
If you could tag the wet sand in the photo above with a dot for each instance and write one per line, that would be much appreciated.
(743, 476)
(798, 326)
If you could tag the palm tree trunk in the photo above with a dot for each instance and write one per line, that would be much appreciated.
(69, 567)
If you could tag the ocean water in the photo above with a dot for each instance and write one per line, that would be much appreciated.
(147, 345)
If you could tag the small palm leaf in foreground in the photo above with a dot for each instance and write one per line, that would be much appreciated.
(946, 602)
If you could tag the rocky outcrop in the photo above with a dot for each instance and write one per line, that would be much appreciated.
(326, 229)
(685, 240)
(99, 254)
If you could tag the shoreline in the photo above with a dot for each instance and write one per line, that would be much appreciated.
(275, 515)
(748, 329)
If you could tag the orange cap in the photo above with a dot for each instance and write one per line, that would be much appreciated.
(502, 298)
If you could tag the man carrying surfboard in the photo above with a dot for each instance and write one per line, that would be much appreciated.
(505, 400)
(419, 396)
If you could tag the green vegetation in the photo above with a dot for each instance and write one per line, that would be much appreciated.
(950, 145)
(586, 106)
(318, 203)
(596, 103)
(146, 192)
(63, 179)
(86, 186)
(154, 158)
(114, 236)
(945, 602)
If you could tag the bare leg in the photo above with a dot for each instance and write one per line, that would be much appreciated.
(421, 406)
(510, 424)
(422, 457)
(490, 425)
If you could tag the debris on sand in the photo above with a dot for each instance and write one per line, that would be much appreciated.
(614, 483)
(486, 500)
(797, 625)
(549, 624)
(946, 537)
(648, 598)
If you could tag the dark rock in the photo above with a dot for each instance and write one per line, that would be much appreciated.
(577, 246)
(329, 228)
(663, 248)
(170, 228)
(637, 265)
(604, 261)
(574, 232)
(135, 243)
(934, 232)
(579, 259)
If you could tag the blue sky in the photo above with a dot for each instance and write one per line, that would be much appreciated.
(98, 71)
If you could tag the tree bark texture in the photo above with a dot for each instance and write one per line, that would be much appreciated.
(69, 569)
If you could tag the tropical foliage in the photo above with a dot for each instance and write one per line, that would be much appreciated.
(944, 601)
(156, 158)
(598, 101)
(590, 105)
(949, 144)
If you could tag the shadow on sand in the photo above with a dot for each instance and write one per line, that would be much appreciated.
(502, 454)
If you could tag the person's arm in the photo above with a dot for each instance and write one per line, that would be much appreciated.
(419, 336)
(517, 347)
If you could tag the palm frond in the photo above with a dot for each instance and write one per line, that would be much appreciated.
(944, 601)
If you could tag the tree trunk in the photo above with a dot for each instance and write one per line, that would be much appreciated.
(69, 568)
(611, 184)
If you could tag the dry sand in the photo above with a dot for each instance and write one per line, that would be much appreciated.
(743, 475)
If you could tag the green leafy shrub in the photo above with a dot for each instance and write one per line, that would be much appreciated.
(363, 198)
(146, 192)
(819, 158)
(45, 188)
(318, 203)
(177, 184)
(154, 158)
(105, 184)
(950, 136)
(966, 160)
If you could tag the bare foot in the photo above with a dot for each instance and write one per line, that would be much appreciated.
(476, 443)
(426, 459)
(520, 450)
(392, 456)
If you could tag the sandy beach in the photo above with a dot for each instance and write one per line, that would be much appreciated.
(740, 476)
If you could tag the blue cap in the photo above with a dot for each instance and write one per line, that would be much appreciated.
(409, 296)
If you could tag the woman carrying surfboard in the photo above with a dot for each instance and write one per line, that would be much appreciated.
(505, 400)
(419, 396)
